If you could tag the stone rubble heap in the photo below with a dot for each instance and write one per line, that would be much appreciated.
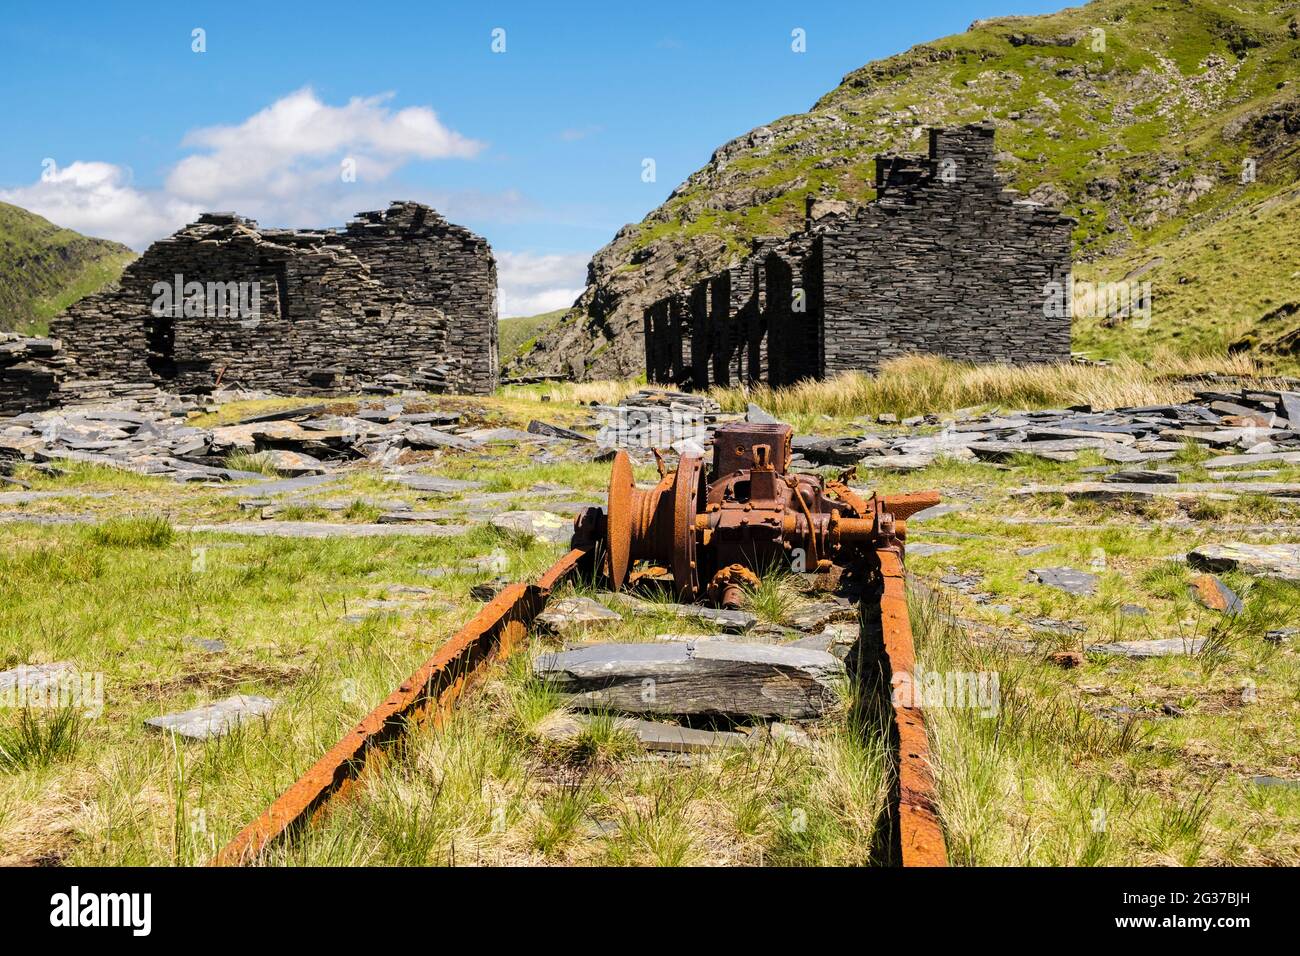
(1248, 427)
(1244, 432)
(31, 371)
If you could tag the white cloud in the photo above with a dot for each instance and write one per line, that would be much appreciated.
(530, 283)
(98, 199)
(282, 166)
(298, 142)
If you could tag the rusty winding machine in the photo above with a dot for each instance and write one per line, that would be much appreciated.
(707, 537)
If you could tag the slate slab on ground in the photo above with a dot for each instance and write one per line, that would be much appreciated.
(1165, 647)
(215, 719)
(1070, 580)
(1263, 560)
(704, 677)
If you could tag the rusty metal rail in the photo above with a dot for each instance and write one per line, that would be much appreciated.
(424, 697)
(920, 839)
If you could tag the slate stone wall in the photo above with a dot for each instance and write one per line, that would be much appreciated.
(399, 296)
(945, 261)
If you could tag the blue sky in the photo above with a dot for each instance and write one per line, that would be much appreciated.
(114, 125)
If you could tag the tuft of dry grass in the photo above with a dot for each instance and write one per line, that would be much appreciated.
(921, 384)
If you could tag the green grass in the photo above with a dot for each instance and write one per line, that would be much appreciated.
(518, 333)
(32, 740)
(258, 463)
(127, 597)
(44, 268)
(149, 531)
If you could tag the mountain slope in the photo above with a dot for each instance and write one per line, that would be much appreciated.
(44, 268)
(1137, 118)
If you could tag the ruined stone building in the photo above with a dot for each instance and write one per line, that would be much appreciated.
(398, 296)
(945, 261)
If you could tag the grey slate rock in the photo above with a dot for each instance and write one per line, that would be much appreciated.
(705, 677)
(1142, 477)
(815, 616)
(1069, 580)
(1264, 560)
(548, 430)
(756, 416)
(542, 525)
(576, 614)
(1139, 649)
(1290, 402)
(426, 436)
(432, 483)
(215, 719)
(1263, 780)
(1034, 549)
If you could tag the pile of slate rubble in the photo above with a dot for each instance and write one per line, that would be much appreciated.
(1245, 429)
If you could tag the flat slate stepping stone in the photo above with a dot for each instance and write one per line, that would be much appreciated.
(1236, 461)
(749, 638)
(324, 529)
(34, 679)
(284, 485)
(897, 462)
(1220, 490)
(433, 483)
(934, 511)
(1070, 580)
(1210, 592)
(215, 719)
(426, 436)
(1160, 648)
(734, 622)
(924, 549)
(1263, 780)
(575, 614)
(1033, 549)
(1142, 477)
(705, 677)
(1264, 560)
(542, 525)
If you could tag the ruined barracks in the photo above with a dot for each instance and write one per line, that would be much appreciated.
(399, 296)
(945, 261)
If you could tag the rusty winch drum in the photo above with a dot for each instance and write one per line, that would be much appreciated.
(713, 535)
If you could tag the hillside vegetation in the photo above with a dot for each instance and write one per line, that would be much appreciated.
(519, 333)
(1168, 130)
(45, 268)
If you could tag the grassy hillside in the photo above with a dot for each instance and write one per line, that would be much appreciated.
(44, 268)
(519, 332)
(1138, 119)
